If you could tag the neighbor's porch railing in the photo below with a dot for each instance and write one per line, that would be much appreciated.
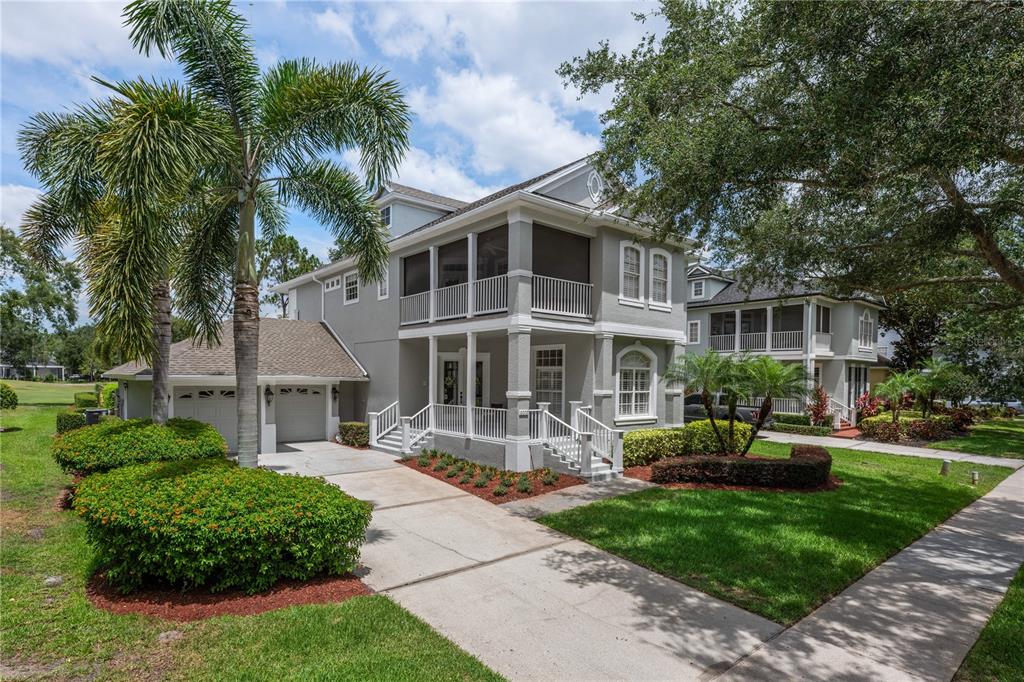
(753, 341)
(787, 405)
(451, 301)
(490, 295)
(415, 308)
(561, 296)
(723, 342)
(788, 340)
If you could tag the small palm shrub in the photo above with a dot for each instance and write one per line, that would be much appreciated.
(117, 443)
(8, 397)
(523, 485)
(549, 477)
(500, 490)
(209, 523)
(424, 460)
(354, 434)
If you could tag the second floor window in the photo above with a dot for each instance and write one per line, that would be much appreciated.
(823, 320)
(659, 278)
(693, 331)
(333, 283)
(385, 216)
(630, 272)
(383, 284)
(867, 331)
(697, 289)
(351, 288)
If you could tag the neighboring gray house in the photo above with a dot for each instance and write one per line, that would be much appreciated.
(531, 322)
(836, 340)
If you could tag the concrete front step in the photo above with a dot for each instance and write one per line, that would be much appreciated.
(599, 469)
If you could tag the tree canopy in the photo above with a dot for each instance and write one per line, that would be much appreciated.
(279, 259)
(876, 146)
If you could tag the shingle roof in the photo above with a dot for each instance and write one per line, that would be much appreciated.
(297, 348)
(734, 293)
(427, 196)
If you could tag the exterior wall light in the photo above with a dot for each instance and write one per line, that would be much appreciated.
(268, 395)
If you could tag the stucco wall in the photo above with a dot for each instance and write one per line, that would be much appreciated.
(405, 217)
(139, 399)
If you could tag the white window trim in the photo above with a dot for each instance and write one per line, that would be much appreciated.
(689, 326)
(533, 377)
(872, 331)
(703, 288)
(817, 319)
(333, 283)
(344, 288)
(385, 284)
(653, 414)
(658, 305)
(387, 223)
(623, 299)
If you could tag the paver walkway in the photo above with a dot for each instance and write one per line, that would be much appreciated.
(892, 449)
(527, 601)
(915, 616)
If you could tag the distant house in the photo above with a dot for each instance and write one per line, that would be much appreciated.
(40, 370)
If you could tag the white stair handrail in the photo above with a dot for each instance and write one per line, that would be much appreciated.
(839, 412)
(419, 425)
(607, 441)
(383, 422)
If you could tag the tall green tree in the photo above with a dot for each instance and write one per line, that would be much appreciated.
(273, 133)
(280, 259)
(875, 146)
(896, 387)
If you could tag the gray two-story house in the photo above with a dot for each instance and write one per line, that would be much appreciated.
(836, 340)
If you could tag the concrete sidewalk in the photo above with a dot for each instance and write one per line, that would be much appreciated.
(917, 615)
(892, 449)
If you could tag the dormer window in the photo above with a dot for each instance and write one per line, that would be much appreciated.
(697, 289)
(385, 216)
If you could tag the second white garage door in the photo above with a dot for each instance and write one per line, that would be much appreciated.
(300, 413)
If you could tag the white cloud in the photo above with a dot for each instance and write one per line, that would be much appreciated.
(439, 175)
(14, 201)
(508, 126)
(338, 21)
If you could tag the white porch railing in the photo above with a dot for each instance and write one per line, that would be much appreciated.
(607, 442)
(382, 422)
(723, 342)
(415, 308)
(787, 340)
(567, 441)
(450, 419)
(415, 428)
(489, 422)
(451, 301)
(562, 296)
(753, 341)
(840, 411)
(534, 421)
(490, 295)
(788, 405)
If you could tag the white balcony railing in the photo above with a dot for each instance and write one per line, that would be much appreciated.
(489, 422)
(787, 340)
(724, 342)
(753, 341)
(450, 419)
(490, 295)
(562, 296)
(415, 308)
(788, 405)
(451, 301)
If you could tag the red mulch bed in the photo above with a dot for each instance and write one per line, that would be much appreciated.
(173, 604)
(486, 493)
(644, 474)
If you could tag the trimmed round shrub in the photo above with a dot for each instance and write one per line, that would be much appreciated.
(806, 430)
(808, 466)
(8, 397)
(70, 420)
(120, 442)
(86, 399)
(701, 440)
(934, 428)
(108, 396)
(790, 418)
(212, 524)
(643, 446)
(354, 434)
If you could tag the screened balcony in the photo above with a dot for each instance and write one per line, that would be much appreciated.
(752, 330)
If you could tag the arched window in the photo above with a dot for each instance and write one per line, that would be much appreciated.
(635, 381)
(661, 284)
(867, 330)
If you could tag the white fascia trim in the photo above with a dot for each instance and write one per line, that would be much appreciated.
(229, 379)
(577, 167)
(642, 331)
(393, 196)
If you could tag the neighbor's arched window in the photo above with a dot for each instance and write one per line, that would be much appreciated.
(867, 330)
(635, 383)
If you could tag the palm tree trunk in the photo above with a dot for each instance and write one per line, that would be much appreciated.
(246, 329)
(733, 401)
(162, 352)
(762, 415)
(709, 408)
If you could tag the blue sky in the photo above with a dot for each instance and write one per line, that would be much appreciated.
(480, 78)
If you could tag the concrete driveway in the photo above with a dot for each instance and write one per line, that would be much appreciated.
(527, 601)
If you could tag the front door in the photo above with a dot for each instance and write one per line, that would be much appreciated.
(452, 388)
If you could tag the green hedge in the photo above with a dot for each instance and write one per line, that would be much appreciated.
(790, 418)
(644, 446)
(84, 399)
(108, 396)
(354, 434)
(8, 397)
(209, 523)
(805, 429)
(70, 420)
(116, 443)
(808, 466)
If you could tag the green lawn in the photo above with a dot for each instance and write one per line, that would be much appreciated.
(56, 632)
(998, 654)
(996, 438)
(780, 554)
(42, 393)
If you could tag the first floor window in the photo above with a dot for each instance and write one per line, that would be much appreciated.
(351, 287)
(549, 377)
(659, 278)
(635, 384)
(693, 331)
(631, 272)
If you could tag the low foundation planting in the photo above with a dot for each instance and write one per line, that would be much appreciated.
(808, 466)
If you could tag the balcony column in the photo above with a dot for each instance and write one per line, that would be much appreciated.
(517, 400)
(768, 329)
(604, 379)
(737, 330)
(809, 343)
(470, 380)
(433, 283)
(520, 264)
(431, 376)
(471, 274)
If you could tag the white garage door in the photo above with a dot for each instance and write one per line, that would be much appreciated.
(301, 413)
(212, 405)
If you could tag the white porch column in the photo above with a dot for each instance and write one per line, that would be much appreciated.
(517, 400)
(433, 283)
(768, 329)
(604, 379)
(471, 270)
(431, 376)
(809, 342)
(675, 398)
(520, 263)
(470, 380)
(737, 330)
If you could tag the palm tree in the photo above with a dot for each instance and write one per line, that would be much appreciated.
(767, 377)
(706, 374)
(895, 387)
(262, 145)
(935, 376)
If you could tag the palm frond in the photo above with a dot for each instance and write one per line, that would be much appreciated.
(337, 198)
(203, 276)
(271, 212)
(210, 40)
(48, 224)
(308, 109)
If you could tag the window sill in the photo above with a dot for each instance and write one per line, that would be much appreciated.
(631, 302)
(661, 307)
(643, 419)
(350, 302)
